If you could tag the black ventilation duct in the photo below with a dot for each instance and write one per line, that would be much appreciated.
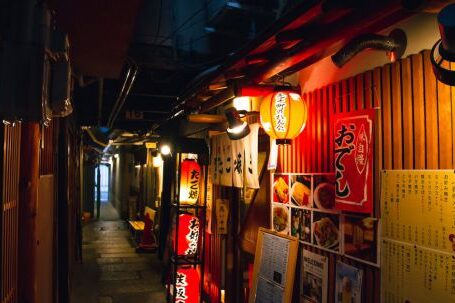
(445, 47)
(395, 43)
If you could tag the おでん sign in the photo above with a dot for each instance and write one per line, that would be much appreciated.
(353, 157)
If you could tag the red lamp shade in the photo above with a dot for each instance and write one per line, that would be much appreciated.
(187, 283)
(189, 182)
(188, 235)
(283, 115)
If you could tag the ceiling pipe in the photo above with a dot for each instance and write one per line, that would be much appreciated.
(374, 20)
(395, 43)
(220, 98)
(124, 91)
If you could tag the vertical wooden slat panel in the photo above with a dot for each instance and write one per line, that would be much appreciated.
(415, 121)
(314, 150)
(431, 114)
(352, 94)
(319, 152)
(445, 124)
(408, 138)
(397, 128)
(360, 91)
(386, 118)
(345, 96)
(378, 148)
(368, 90)
(331, 105)
(325, 137)
(419, 111)
(337, 97)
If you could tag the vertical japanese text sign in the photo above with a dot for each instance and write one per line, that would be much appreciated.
(353, 151)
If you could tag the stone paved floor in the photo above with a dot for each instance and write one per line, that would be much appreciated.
(112, 272)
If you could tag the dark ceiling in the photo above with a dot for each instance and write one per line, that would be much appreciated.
(139, 63)
(171, 43)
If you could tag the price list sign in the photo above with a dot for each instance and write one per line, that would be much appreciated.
(416, 274)
(418, 236)
(418, 207)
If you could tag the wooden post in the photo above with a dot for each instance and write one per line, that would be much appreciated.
(28, 198)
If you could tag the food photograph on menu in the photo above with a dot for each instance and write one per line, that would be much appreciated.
(281, 188)
(324, 191)
(296, 222)
(280, 219)
(326, 231)
(305, 234)
(361, 238)
(301, 190)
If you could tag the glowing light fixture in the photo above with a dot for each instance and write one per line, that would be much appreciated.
(237, 129)
(283, 115)
(443, 52)
(157, 161)
(116, 156)
(242, 103)
(165, 149)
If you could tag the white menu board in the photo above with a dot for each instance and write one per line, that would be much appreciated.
(274, 267)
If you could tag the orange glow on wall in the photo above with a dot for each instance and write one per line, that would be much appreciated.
(283, 115)
(189, 182)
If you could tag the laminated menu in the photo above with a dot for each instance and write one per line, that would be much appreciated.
(416, 274)
(274, 267)
(418, 236)
(418, 207)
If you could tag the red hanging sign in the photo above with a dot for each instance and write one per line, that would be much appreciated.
(189, 182)
(188, 235)
(353, 143)
(187, 283)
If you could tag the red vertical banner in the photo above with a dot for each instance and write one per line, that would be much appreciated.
(353, 155)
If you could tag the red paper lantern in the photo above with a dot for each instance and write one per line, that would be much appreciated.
(187, 283)
(189, 181)
(283, 115)
(188, 235)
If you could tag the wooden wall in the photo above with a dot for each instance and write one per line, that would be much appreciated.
(10, 139)
(415, 129)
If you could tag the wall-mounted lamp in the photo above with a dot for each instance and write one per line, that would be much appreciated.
(116, 156)
(237, 129)
(165, 149)
(445, 47)
(242, 103)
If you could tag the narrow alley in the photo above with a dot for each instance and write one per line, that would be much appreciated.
(227, 151)
(112, 272)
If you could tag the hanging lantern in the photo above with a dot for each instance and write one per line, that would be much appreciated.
(187, 283)
(189, 182)
(188, 235)
(283, 115)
